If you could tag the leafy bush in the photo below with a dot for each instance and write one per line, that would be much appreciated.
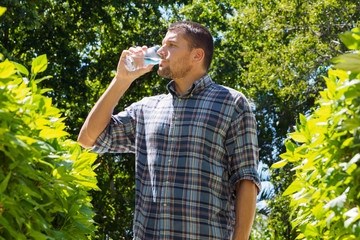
(44, 179)
(325, 196)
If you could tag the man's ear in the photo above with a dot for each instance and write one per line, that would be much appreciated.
(198, 54)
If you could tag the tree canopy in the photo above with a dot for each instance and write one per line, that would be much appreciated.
(274, 51)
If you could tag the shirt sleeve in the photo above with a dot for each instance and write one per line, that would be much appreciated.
(119, 135)
(242, 147)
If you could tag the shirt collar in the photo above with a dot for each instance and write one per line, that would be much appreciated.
(197, 86)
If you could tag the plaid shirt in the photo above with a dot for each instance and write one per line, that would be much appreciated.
(191, 150)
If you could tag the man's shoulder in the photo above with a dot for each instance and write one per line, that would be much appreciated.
(229, 94)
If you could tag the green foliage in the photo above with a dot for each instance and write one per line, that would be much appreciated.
(44, 179)
(274, 225)
(325, 196)
(116, 204)
(276, 50)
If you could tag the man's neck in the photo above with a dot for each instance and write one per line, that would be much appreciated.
(183, 84)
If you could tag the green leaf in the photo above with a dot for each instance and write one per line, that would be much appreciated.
(290, 146)
(294, 187)
(355, 159)
(338, 201)
(7, 69)
(17, 140)
(318, 211)
(2, 10)
(330, 218)
(4, 183)
(298, 137)
(349, 83)
(21, 69)
(303, 120)
(44, 90)
(43, 147)
(352, 123)
(86, 160)
(352, 93)
(288, 156)
(4, 222)
(311, 230)
(353, 215)
(279, 164)
(52, 133)
(348, 142)
(350, 41)
(39, 64)
(348, 62)
(331, 88)
(352, 164)
(86, 210)
(32, 192)
(38, 235)
(46, 163)
(88, 184)
(42, 79)
(27, 140)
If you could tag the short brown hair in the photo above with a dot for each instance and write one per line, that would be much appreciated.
(198, 36)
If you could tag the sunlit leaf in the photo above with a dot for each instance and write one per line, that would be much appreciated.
(348, 62)
(298, 137)
(311, 230)
(7, 69)
(337, 202)
(279, 164)
(350, 40)
(39, 64)
(52, 133)
(294, 187)
(353, 215)
(22, 69)
(2, 10)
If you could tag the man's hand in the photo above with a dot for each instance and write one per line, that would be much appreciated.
(122, 74)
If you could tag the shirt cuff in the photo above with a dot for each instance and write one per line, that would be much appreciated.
(246, 174)
(101, 145)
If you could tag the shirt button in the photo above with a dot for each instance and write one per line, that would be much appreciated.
(167, 182)
(179, 99)
(164, 204)
(169, 160)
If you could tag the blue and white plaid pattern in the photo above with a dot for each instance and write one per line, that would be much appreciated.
(191, 150)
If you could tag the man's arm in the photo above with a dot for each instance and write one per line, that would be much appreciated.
(245, 206)
(100, 115)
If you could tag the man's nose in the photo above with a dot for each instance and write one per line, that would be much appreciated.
(161, 52)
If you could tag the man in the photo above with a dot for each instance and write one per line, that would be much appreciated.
(196, 147)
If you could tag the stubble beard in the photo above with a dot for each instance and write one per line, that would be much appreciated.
(165, 73)
(169, 73)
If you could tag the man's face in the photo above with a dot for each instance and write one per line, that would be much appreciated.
(175, 53)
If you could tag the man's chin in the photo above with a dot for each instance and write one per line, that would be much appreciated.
(164, 73)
